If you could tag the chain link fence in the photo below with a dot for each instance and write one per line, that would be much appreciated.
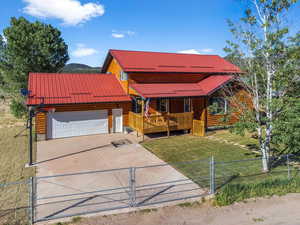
(15, 203)
(66, 195)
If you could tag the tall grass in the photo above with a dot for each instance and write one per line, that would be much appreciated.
(231, 193)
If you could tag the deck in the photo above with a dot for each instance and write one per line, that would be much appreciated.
(166, 123)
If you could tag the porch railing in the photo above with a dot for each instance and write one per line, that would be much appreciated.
(198, 128)
(161, 123)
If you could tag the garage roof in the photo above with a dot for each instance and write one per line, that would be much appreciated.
(141, 61)
(202, 88)
(65, 88)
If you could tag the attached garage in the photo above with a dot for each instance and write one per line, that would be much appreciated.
(69, 105)
(70, 124)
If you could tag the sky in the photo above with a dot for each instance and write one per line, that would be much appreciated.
(92, 27)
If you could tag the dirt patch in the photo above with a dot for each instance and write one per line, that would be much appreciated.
(265, 211)
(7, 120)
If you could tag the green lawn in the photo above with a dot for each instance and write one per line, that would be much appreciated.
(13, 156)
(184, 148)
(187, 148)
(245, 140)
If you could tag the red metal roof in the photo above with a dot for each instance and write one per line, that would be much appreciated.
(205, 87)
(58, 88)
(157, 90)
(137, 61)
(213, 83)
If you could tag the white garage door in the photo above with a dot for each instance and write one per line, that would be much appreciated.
(70, 124)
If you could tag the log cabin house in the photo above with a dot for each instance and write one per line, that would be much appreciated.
(148, 92)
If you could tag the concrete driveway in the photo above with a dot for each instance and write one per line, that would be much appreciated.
(84, 174)
(95, 152)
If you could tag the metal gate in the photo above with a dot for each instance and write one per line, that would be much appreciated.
(75, 194)
(154, 188)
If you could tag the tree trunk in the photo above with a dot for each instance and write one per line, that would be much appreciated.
(262, 146)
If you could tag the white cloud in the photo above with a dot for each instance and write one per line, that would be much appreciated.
(82, 51)
(207, 50)
(122, 34)
(190, 51)
(71, 12)
(116, 35)
(130, 33)
(195, 51)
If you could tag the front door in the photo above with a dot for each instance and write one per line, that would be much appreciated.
(117, 120)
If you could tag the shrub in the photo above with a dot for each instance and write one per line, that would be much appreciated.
(17, 108)
(76, 219)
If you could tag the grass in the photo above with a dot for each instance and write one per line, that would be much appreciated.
(190, 204)
(272, 186)
(187, 148)
(238, 170)
(246, 140)
(76, 219)
(13, 156)
(198, 151)
(148, 210)
(258, 220)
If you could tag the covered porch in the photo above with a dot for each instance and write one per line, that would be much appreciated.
(168, 114)
(165, 107)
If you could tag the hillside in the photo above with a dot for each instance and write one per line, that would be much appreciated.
(80, 68)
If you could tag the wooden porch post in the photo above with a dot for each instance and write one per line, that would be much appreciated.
(143, 114)
(192, 111)
(205, 112)
(168, 117)
(203, 117)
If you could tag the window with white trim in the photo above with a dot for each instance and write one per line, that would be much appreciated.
(123, 75)
(218, 105)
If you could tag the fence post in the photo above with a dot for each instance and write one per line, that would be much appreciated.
(132, 192)
(288, 165)
(31, 188)
(212, 176)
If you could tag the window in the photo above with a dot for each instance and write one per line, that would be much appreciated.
(137, 105)
(218, 105)
(123, 75)
(162, 105)
(187, 105)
